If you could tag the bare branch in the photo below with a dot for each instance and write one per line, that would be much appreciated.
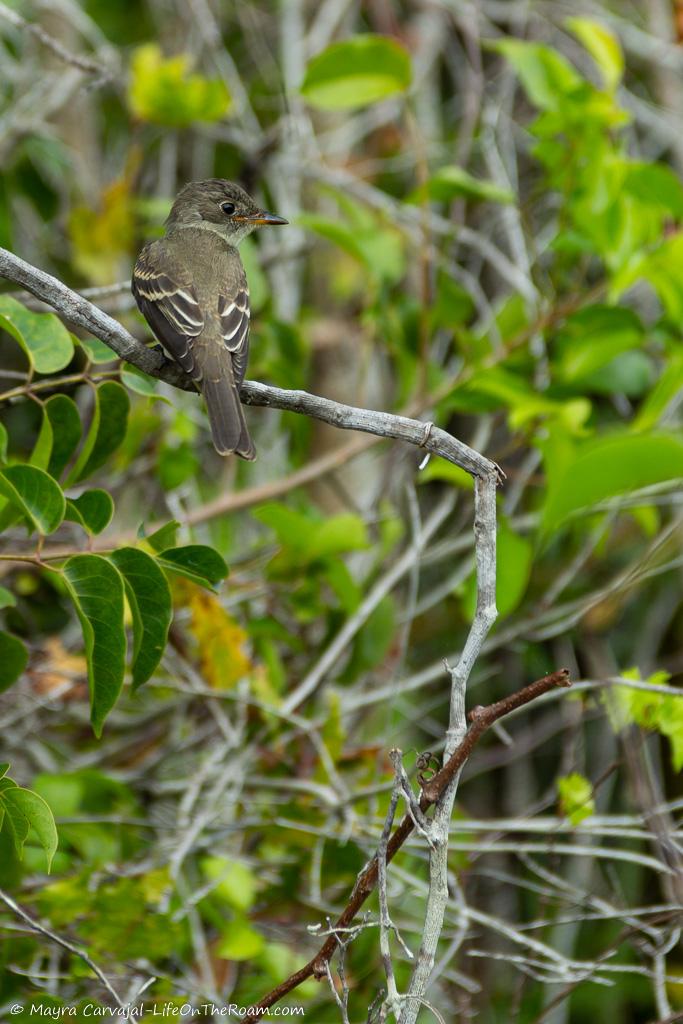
(79, 311)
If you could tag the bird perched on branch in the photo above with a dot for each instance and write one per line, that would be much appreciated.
(192, 290)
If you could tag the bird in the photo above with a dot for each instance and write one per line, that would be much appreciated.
(191, 288)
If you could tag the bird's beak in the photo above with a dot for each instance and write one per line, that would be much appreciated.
(263, 217)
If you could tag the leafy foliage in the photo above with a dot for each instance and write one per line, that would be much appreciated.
(491, 239)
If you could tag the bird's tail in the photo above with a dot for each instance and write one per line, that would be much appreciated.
(226, 416)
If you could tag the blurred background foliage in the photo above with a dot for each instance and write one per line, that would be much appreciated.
(485, 211)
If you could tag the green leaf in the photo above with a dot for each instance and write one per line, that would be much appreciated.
(592, 337)
(139, 382)
(43, 336)
(663, 269)
(336, 535)
(630, 374)
(236, 883)
(66, 432)
(97, 351)
(654, 185)
(14, 821)
(452, 305)
(93, 510)
(439, 469)
(4, 768)
(196, 562)
(107, 430)
(40, 456)
(37, 815)
(453, 182)
(607, 467)
(357, 72)
(13, 659)
(576, 797)
(164, 537)
(603, 47)
(149, 599)
(163, 91)
(35, 494)
(240, 941)
(546, 76)
(379, 250)
(308, 538)
(662, 394)
(7, 598)
(96, 588)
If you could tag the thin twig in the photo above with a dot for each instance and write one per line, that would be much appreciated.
(64, 943)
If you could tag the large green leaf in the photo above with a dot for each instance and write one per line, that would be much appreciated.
(43, 336)
(149, 598)
(66, 432)
(356, 72)
(93, 510)
(197, 562)
(13, 659)
(608, 467)
(35, 494)
(23, 803)
(107, 430)
(96, 588)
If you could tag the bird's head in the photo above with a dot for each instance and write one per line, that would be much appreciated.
(219, 206)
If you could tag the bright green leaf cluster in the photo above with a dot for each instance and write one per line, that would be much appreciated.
(656, 712)
(163, 90)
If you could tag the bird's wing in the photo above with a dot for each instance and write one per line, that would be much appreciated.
(233, 315)
(169, 303)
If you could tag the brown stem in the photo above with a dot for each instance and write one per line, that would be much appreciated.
(482, 718)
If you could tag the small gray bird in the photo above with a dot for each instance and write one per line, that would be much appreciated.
(192, 290)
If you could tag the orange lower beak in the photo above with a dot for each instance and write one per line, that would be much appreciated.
(263, 217)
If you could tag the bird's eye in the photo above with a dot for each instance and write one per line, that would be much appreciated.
(228, 209)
